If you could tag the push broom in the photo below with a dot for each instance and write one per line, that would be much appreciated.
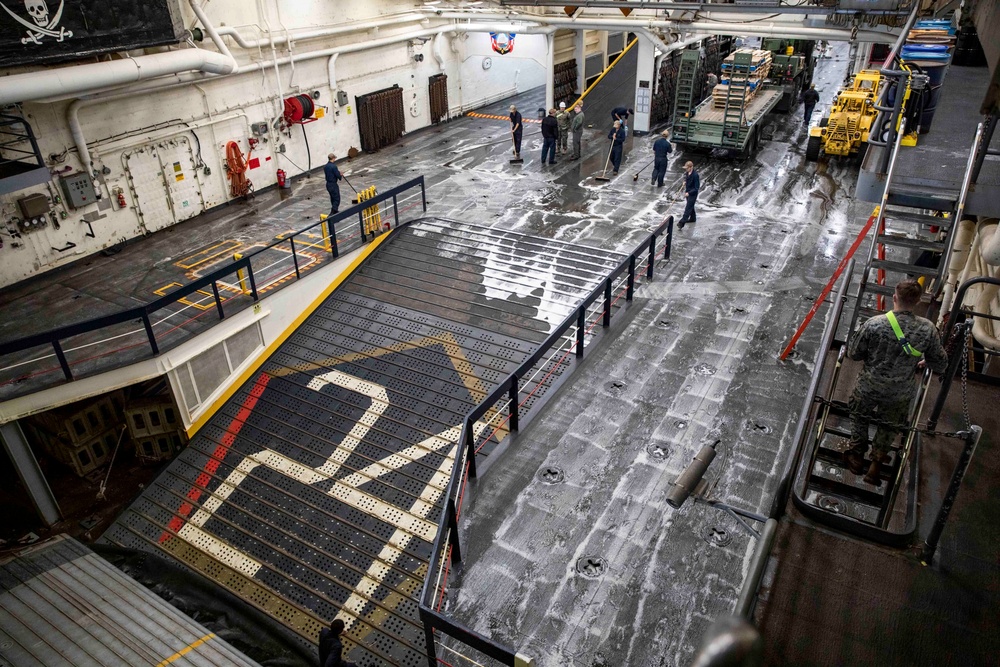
(517, 159)
(602, 177)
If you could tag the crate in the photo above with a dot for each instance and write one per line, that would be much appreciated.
(161, 447)
(147, 417)
(79, 425)
(87, 456)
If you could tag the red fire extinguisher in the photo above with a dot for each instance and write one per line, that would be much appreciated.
(281, 178)
(121, 199)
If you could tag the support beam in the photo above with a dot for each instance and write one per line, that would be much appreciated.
(580, 55)
(550, 71)
(31, 475)
(644, 80)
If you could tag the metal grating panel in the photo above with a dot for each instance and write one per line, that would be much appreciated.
(316, 489)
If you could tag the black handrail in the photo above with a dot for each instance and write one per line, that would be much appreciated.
(142, 313)
(465, 458)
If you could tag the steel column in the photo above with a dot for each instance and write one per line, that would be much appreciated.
(456, 551)
(253, 283)
(607, 303)
(67, 371)
(31, 475)
(630, 292)
(218, 300)
(581, 323)
(513, 409)
(470, 445)
(150, 334)
(295, 259)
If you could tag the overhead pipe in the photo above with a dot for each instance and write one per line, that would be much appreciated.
(770, 29)
(79, 79)
(321, 32)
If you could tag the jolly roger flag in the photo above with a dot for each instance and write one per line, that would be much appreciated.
(48, 31)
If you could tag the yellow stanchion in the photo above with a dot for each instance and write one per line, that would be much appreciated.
(325, 228)
(241, 275)
(371, 216)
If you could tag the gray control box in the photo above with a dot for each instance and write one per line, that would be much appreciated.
(342, 98)
(79, 190)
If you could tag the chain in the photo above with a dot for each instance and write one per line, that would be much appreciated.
(965, 378)
(899, 428)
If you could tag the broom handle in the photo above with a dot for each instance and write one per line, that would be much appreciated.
(609, 159)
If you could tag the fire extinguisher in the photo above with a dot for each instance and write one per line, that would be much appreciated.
(281, 178)
(121, 199)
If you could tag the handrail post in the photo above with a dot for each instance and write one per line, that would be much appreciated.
(295, 258)
(61, 356)
(607, 303)
(361, 224)
(423, 193)
(429, 644)
(670, 238)
(456, 550)
(931, 543)
(332, 229)
(218, 301)
(630, 291)
(513, 409)
(149, 331)
(395, 209)
(581, 325)
(652, 257)
(253, 283)
(470, 445)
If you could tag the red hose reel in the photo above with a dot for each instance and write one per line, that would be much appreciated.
(299, 110)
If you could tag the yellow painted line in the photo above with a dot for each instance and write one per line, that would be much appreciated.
(200, 306)
(265, 355)
(186, 650)
(230, 245)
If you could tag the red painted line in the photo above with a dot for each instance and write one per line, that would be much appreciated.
(200, 484)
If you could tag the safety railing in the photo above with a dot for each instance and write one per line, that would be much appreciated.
(114, 348)
(503, 408)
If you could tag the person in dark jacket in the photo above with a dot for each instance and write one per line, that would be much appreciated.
(331, 650)
(550, 135)
(332, 176)
(617, 136)
(516, 129)
(809, 98)
(661, 149)
(621, 114)
(692, 183)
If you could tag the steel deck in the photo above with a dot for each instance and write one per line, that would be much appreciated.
(314, 490)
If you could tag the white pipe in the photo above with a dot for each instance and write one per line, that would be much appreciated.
(86, 78)
(321, 32)
(770, 29)
(333, 71)
(550, 67)
(278, 102)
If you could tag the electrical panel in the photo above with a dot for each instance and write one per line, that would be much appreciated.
(33, 206)
(342, 98)
(79, 190)
(258, 128)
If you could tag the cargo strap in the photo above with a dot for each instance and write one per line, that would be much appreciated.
(909, 349)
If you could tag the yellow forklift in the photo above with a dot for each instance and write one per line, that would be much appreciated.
(845, 131)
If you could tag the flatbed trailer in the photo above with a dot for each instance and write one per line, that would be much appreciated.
(736, 126)
(707, 127)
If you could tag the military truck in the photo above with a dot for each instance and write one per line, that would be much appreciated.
(792, 66)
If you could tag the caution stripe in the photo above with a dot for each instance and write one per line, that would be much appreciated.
(493, 117)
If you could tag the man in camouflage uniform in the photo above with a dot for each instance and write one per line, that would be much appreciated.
(564, 119)
(886, 385)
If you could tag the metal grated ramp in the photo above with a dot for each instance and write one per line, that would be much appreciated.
(315, 490)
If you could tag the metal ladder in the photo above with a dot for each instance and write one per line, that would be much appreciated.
(684, 100)
(825, 489)
(739, 86)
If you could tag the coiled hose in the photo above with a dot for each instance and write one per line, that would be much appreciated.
(236, 168)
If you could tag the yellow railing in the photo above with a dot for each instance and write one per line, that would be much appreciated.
(372, 216)
(606, 70)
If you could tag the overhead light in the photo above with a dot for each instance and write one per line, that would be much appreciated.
(432, 2)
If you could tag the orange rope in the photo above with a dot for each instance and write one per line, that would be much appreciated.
(239, 184)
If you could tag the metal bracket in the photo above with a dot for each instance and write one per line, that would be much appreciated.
(69, 246)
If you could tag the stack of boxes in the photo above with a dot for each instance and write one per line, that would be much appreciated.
(84, 438)
(760, 68)
(154, 427)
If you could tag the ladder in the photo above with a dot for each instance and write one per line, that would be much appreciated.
(684, 99)
(736, 97)
(825, 489)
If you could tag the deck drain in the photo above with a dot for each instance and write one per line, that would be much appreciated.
(726, 239)
(698, 276)
(551, 475)
(665, 324)
(758, 282)
(681, 424)
(591, 567)
(831, 504)
(658, 452)
(717, 536)
(758, 427)
(615, 387)
(704, 369)
(794, 354)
